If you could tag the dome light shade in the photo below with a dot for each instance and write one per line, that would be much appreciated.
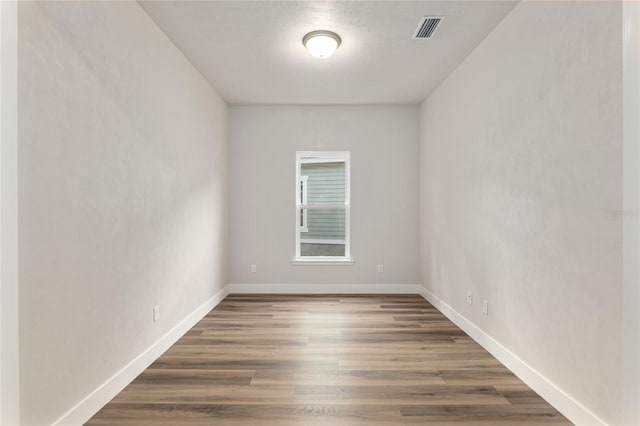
(321, 44)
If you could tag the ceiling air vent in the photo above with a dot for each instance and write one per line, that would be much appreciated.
(427, 26)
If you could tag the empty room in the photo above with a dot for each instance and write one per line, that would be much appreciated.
(314, 213)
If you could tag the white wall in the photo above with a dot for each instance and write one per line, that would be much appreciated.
(383, 141)
(520, 156)
(631, 219)
(122, 195)
(9, 362)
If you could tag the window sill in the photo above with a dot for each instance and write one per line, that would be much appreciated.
(322, 261)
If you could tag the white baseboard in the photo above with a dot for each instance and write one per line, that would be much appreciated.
(323, 288)
(560, 400)
(91, 404)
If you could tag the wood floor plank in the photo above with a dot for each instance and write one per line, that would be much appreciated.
(184, 376)
(320, 360)
(488, 414)
(203, 394)
(426, 394)
(241, 364)
(346, 377)
(249, 415)
(490, 376)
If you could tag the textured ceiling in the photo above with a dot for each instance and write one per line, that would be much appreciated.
(252, 52)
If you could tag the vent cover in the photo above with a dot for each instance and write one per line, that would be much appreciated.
(427, 27)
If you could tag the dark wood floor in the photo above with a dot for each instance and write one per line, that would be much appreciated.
(326, 360)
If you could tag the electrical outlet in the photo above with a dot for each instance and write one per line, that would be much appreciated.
(381, 268)
(156, 313)
(485, 307)
(254, 269)
(470, 298)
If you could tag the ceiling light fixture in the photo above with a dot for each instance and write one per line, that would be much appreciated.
(321, 43)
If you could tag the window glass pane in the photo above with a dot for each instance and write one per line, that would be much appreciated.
(311, 249)
(324, 182)
(324, 234)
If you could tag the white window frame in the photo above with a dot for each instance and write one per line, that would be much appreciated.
(323, 157)
(302, 184)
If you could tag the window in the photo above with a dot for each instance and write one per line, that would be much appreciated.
(322, 208)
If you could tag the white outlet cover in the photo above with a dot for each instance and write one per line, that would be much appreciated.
(470, 298)
(485, 307)
(254, 268)
(380, 268)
